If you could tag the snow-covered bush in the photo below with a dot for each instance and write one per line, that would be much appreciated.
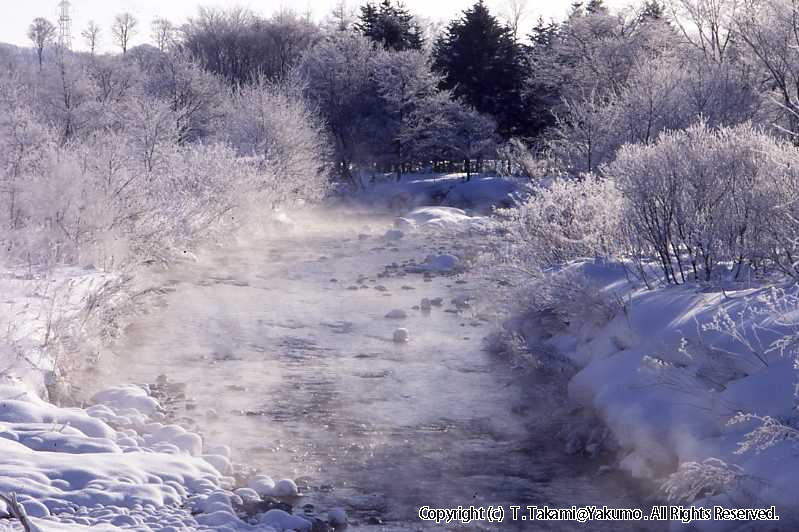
(279, 129)
(663, 92)
(122, 169)
(697, 480)
(565, 220)
(700, 197)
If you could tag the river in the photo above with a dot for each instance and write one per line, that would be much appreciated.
(286, 355)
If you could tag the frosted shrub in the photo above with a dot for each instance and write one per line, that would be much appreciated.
(566, 220)
(701, 197)
(768, 433)
(764, 328)
(697, 480)
(204, 190)
(274, 125)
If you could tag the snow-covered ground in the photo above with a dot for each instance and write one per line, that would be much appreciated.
(115, 463)
(479, 194)
(697, 385)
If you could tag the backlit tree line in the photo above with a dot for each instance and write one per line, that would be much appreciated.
(620, 100)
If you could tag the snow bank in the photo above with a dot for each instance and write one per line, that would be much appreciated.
(115, 464)
(441, 219)
(670, 369)
(40, 314)
(479, 193)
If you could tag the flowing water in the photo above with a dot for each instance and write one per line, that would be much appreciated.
(287, 356)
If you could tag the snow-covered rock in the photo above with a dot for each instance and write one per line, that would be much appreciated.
(446, 219)
(445, 263)
(401, 336)
(285, 488)
(263, 485)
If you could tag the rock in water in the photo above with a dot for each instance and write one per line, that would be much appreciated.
(397, 314)
(394, 234)
(402, 336)
(337, 517)
(285, 488)
(262, 485)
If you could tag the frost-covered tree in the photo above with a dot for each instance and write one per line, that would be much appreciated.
(466, 134)
(566, 220)
(770, 30)
(405, 86)
(194, 95)
(91, 36)
(240, 46)
(701, 197)
(123, 29)
(163, 33)
(664, 91)
(41, 33)
(707, 25)
(338, 74)
(65, 98)
(275, 125)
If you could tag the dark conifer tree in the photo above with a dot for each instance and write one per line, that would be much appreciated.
(391, 25)
(482, 64)
(596, 7)
(653, 10)
(540, 96)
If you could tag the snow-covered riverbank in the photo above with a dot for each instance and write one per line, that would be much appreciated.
(116, 462)
(697, 386)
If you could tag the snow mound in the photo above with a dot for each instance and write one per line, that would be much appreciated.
(444, 219)
(667, 371)
(280, 520)
(126, 399)
(151, 477)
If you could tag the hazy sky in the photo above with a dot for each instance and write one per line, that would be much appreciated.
(16, 15)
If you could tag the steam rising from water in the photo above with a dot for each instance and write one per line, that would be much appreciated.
(287, 357)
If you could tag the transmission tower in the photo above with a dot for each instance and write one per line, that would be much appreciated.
(64, 26)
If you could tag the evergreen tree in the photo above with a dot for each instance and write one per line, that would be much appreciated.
(596, 7)
(653, 10)
(543, 33)
(390, 25)
(482, 64)
(541, 95)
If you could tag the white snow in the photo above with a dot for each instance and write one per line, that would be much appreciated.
(667, 388)
(115, 463)
(286, 488)
(480, 193)
(443, 219)
(280, 520)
